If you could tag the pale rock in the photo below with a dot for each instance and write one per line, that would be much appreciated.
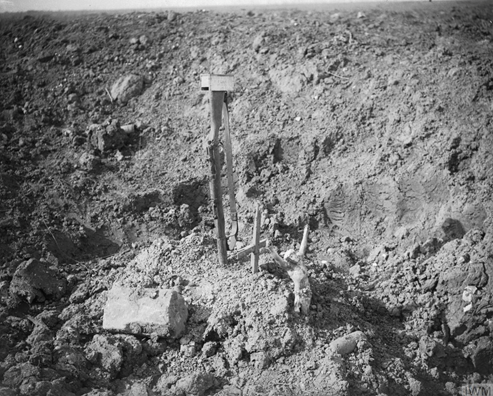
(280, 307)
(209, 349)
(88, 161)
(109, 136)
(288, 81)
(137, 389)
(257, 42)
(415, 386)
(347, 344)
(127, 87)
(261, 360)
(195, 384)
(107, 352)
(145, 311)
(375, 253)
(355, 270)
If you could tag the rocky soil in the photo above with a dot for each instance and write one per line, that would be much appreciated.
(373, 125)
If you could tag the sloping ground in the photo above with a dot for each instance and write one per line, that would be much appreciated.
(374, 128)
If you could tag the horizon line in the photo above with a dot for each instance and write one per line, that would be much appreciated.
(151, 5)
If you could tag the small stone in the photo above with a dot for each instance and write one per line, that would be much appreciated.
(280, 307)
(209, 349)
(73, 98)
(257, 43)
(137, 389)
(355, 270)
(144, 40)
(393, 158)
(196, 384)
(415, 386)
(72, 48)
(130, 128)
(451, 388)
(35, 280)
(311, 365)
(261, 360)
(230, 390)
(346, 344)
(188, 350)
(107, 352)
(45, 57)
(172, 15)
(428, 346)
(88, 161)
(468, 293)
(375, 253)
(106, 138)
(395, 312)
(40, 333)
(127, 87)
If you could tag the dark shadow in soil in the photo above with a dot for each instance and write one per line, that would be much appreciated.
(94, 244)
(192, 192)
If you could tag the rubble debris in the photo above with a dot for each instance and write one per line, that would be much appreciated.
(371, 130)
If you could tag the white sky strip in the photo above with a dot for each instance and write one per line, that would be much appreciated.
(62, 5)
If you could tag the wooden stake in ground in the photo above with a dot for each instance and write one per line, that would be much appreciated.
(231, 184)
(218, 85)
(256, 240)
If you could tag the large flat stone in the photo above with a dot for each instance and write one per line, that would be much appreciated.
(145, 311)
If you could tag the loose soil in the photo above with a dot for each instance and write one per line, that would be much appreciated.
(371, 124)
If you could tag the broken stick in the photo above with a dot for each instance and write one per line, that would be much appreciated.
(243, 252)
(111, 97)
(256, 240)
(299, 275)
(304, 242)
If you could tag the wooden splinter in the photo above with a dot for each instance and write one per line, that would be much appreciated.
(245, 251)
(299, 275)
(304, 242)
(256, 241)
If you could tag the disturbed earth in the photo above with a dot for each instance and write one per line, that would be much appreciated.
(372, 125)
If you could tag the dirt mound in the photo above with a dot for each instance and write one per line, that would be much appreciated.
(372, 126)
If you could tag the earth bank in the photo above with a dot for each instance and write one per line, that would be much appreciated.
(373, 126)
